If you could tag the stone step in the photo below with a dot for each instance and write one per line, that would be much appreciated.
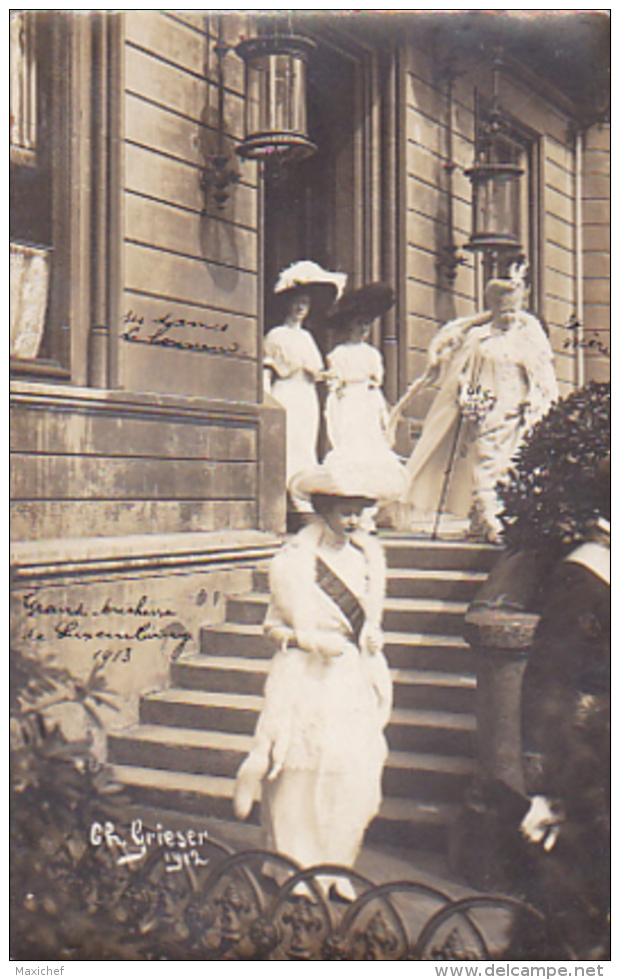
(208, 796)
(207, 710)
(422, 553)
(424, 616)
(402, 615)
(408, 552)
(400, 821)
(426, 777)
(440, 690)
(239, 675)
(188, 750)
(413, 824)
(442, 732)
(429, 651)
(235, 675)
(413, 583)
(410, 729)
(416, 775)
(236, 640)
(432, 651)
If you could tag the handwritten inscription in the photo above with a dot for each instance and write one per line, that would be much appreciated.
(593, 344)
(34, 607)
(163, 331)
(69, 622)
(180, 847)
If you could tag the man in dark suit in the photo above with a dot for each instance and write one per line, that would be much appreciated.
(566, 744)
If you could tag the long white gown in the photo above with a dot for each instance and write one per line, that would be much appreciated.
(319, 745)
(292, 354)
(356, 411)
(513, 371)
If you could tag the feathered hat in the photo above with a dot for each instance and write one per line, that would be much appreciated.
(508, 294)
(503, 294)
(368, 301)
(323, 287)
(340, 476)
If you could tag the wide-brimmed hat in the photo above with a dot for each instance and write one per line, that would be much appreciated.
(368, 301)
(322, 287)
(339, 476)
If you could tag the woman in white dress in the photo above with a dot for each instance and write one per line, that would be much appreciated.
(293, 363)
(319, 748)
(356, 410)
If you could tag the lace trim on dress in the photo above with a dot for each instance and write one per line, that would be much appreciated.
(291, 349)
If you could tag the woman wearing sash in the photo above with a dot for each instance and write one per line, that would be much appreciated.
(319, 747)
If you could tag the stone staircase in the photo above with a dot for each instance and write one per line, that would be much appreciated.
(192, 737)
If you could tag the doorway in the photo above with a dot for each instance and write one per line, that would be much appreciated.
(319, 208)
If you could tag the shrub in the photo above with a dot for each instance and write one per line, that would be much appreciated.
(556, 487)
(58, 885)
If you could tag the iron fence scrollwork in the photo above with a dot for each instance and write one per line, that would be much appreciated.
(258, 905)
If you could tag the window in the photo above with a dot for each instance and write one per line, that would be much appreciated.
(23, 89)
(34, 91)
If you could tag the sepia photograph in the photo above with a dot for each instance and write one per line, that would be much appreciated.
(310, 488)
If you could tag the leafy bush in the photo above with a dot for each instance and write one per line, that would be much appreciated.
(556, 486)
(58, 883)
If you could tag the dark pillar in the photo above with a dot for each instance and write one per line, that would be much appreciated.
(99, 329)
(393, 230)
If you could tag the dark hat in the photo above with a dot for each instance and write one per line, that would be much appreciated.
(369, 301)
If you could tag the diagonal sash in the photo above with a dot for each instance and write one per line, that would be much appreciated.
(341, 594)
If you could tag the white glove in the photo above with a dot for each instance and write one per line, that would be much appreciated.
(248, 782)
(371, 640)
(328, 644)
(541, 823)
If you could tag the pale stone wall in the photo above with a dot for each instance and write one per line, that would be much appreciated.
(596, 213)
(130, 605)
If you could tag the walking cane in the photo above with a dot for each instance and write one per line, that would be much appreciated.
(448, 472)
(446, 479)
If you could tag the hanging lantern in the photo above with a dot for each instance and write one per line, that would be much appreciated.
(275, 98)
(496, 189)
(495, 207)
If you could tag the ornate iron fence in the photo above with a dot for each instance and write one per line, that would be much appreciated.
(257, 905)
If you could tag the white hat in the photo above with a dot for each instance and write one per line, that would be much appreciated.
(311, 274)
(339, 476)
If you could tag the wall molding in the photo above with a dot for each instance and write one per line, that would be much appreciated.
(41, 397)
(47, 562)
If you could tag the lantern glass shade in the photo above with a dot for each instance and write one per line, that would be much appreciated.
(496, 206)
(275, 98)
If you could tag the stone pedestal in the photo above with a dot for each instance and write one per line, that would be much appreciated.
(486, 847)
(501, 640)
